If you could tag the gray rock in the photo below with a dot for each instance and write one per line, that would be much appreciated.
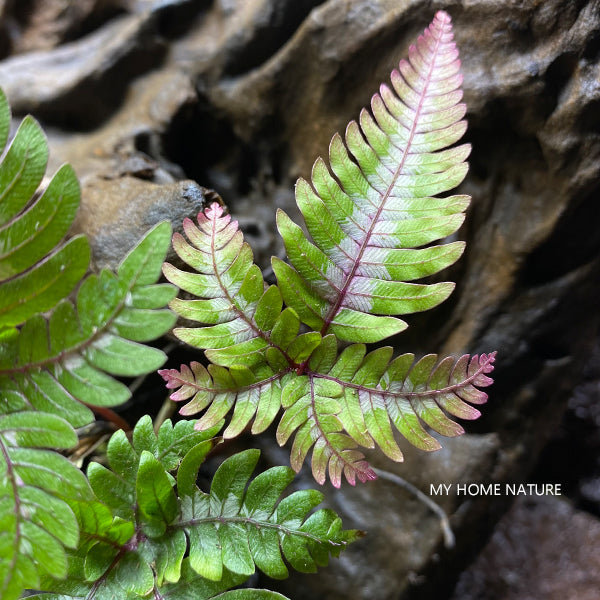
(116, 213)
(44, 24)
(79, 84)
(542, 548)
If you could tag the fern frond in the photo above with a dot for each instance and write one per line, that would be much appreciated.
(36, 486)
(368, 218)
(341, 402)
(355, 400)
(62, 363)
(243, 313)
(148, 530)
(373, 216)
(413, 392)
(407, 393)
(250, 528)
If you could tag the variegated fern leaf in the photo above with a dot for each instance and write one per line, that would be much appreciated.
(373, 217)
(367, 219)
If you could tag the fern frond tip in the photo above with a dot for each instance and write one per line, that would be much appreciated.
(381, 195)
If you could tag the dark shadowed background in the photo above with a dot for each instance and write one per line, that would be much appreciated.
(154, 100)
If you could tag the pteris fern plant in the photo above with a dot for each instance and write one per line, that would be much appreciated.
(373, 216)
(139, 527)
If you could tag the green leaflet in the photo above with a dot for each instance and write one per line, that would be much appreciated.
(60, 362)
(162, 452)
(34, 273)
(54, 364)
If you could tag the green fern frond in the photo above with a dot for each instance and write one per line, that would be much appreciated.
(151, 529)
(379, 205)
(64, 362)
(36, 487)
(250, 527)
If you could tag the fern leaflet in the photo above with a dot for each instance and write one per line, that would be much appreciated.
(34, 273)
(36, 486)
(62, 362)
(244, 316)
(57, 354)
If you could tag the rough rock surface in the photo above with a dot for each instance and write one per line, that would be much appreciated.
(133, 206)
(43, 24)
(242, 95)
(542, 548)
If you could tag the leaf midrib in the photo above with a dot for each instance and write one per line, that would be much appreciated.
(259, 524)
(241, 314)
(426, 393)
(357, 261)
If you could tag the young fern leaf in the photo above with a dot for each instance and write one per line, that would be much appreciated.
(372, 222)
(379, 205)
(151, 530)
(231, 294)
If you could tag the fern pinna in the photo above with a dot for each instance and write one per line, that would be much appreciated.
(373, 216)
(59, 350)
